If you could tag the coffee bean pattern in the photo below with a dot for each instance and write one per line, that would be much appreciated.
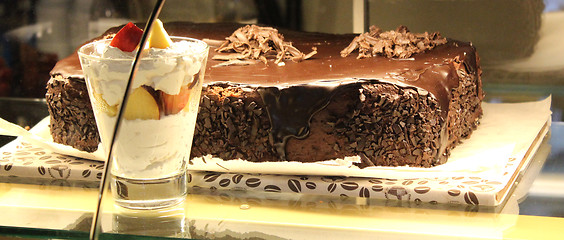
(237, 178)
(122, 190)
(253, 182)
(224, 182)
(364, 192)
(86, 173)
(8, 167)
(349, 186)
(377, 188)
(453, 192)
(422, 190)
(272, 188)
(332, 187)
(471, 198)
(311, 185)
(460, 189)
(211, 177)
(295, 185)
(344, 205)
(24, 160)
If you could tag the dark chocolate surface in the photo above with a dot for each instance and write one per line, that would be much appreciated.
(326, 66)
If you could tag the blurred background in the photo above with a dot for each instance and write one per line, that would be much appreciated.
(520, 42)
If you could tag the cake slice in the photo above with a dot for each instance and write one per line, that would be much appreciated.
(315, 104)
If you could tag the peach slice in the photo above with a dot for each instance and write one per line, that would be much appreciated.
(158, 37)
(103, 106)
(173, 104)
(141, 105)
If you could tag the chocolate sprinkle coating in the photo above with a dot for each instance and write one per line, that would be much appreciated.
(231, 124)
(71, 116)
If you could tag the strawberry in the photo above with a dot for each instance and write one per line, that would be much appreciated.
(127, 38)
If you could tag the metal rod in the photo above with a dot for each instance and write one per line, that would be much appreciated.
(366, 15)
(361, 16)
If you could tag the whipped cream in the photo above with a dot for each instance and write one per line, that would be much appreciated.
(149, 149)
(162, 69)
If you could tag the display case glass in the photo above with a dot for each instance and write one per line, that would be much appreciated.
(521, 49)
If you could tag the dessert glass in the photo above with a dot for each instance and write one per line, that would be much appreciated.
(152, 146)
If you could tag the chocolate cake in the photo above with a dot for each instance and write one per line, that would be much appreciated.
(392, 98)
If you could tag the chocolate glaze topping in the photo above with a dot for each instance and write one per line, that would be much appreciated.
(290, 111)
(282, 87)
(326, 66)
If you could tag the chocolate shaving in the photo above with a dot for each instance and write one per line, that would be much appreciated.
(252, 42)
(236, 62)
(211, 42)
(393, 44)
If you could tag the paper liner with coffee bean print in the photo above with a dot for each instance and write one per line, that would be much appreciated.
(459, 190)
(20, 159)
(315, 203)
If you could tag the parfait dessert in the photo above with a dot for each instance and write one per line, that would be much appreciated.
(153, 144)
